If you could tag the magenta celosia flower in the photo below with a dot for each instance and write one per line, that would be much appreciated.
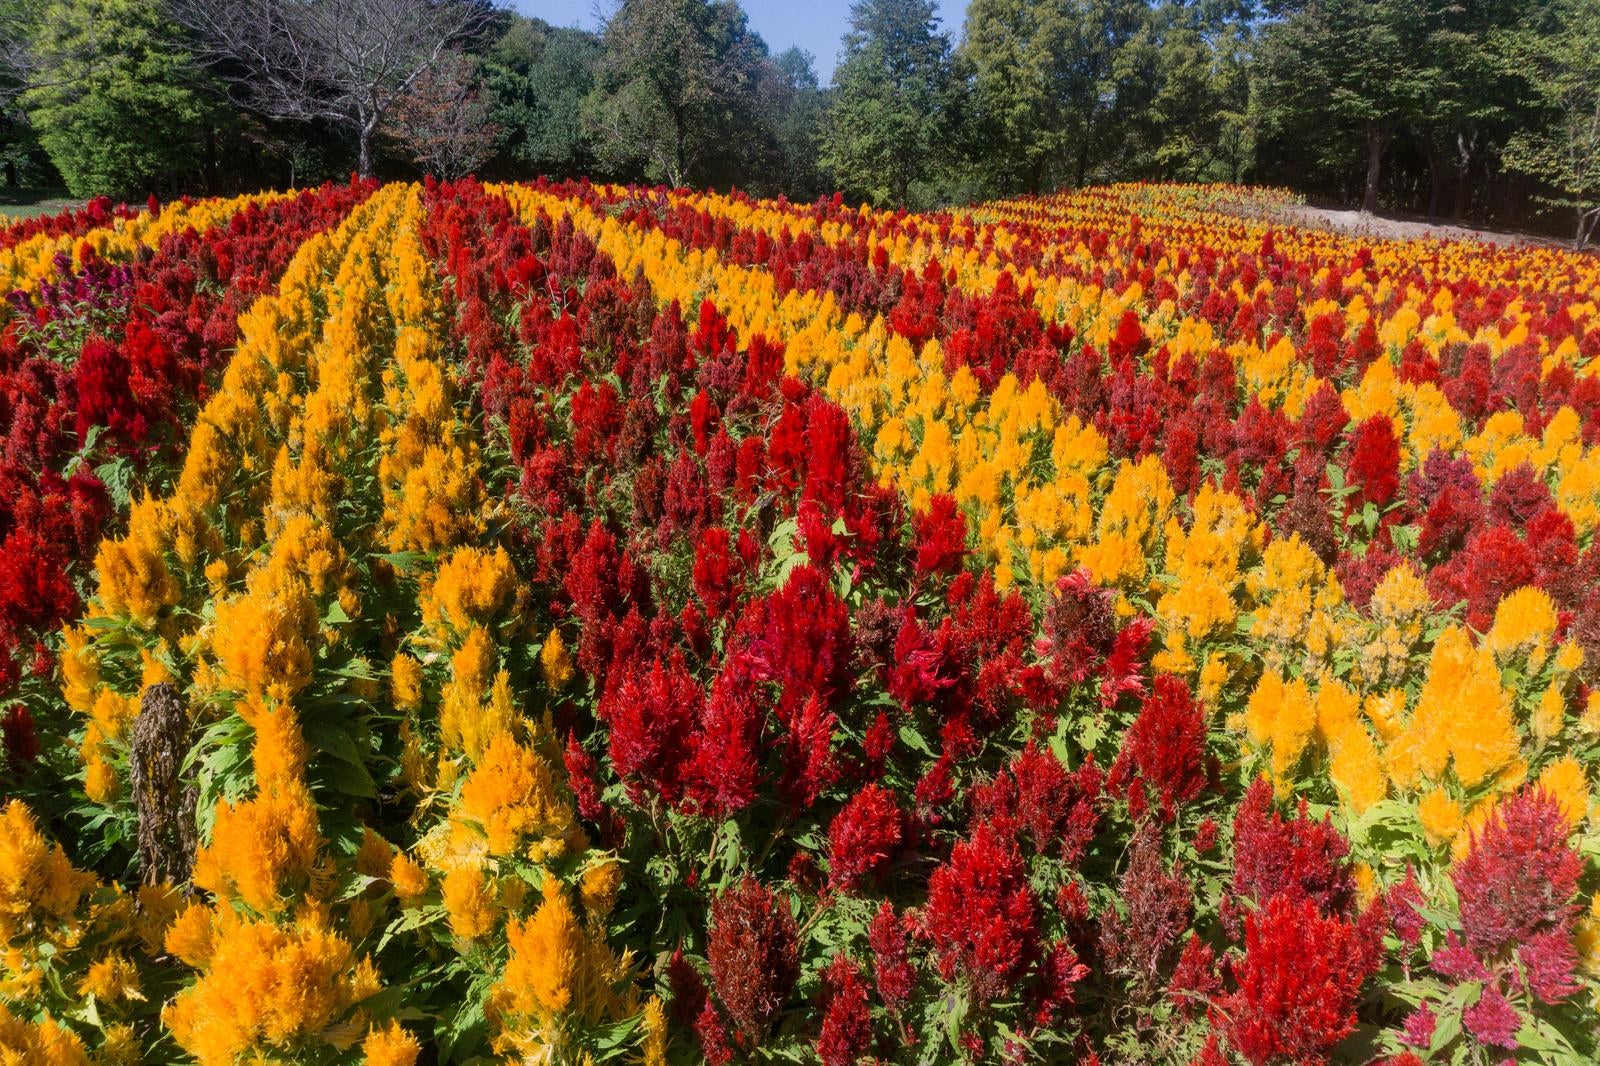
(846, 1020)
(1519, 876)
(1297, 856)
(1419, 1026)
(1493, 1021)
(1140, 939)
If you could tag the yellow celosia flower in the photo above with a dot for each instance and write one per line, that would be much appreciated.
(469, 902)
(266, 987)
(513, 796)
(1523, 624)
(599, 886)
(42, 1043)
(471, 586)
(40, 890)
(112, 979)
(262, 849)
(1440, 817)
(390, 1045)
(409, 879)
(1462, 714)
(655, 1033)
(1281, 716)
(405, 682)
(1567, 783)
(1587, 941)
(556, 966)
(555, 662)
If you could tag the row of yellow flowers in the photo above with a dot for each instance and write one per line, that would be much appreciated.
(32, 262)
(1429, 718)
(330, 511)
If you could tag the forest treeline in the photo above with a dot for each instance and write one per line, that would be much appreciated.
(1473, 109)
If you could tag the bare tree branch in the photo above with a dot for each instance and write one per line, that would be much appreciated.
(342, 61)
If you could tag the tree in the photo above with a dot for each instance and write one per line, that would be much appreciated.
(676, 93)
(1560, 61)
(444, 121)
(1335, 72)
(1015, 50)
(113, 99)
(888, 119)
(342, 61)
(537, 77)
(793, 109)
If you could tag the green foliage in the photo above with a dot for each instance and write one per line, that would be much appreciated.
(537, 76)
(120, 109)
(675, 99)
(1560, 61)
(893, 95)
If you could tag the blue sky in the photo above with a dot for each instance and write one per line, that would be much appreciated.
(815, 25)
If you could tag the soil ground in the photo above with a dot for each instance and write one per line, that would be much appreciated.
(1360, 224)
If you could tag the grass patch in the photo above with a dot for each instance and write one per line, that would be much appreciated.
(29, 202)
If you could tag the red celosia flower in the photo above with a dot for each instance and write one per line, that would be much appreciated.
(651, 719)
(1165, 748)
(800, 637)
(981, 915)
(1194, 978)
(1298, 856)
(715, 570)
(726, 766)
(863, 837)
(1375, 461)
(21, 739)
(891, 965)
(713, 1034)
(688, 989)
(1060, 971)
(1298, 982)
(846, 1020)
(809, 762)
(941, 537)
(753, 953)
(581, 777)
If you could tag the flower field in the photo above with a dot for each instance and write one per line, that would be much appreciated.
(581, 624)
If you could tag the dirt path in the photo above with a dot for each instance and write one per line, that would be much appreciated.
(1359, 224)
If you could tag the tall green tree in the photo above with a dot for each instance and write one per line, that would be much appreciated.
(892, 100)
(1022, 106)
(793, 109)
(1559, 57)
(1338, 75)
(115, 100)
(676, 96)
(537, 77)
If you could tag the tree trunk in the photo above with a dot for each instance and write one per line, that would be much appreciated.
(364, 153)
(1587, 217)
(1435, 181)
(1369, 201)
